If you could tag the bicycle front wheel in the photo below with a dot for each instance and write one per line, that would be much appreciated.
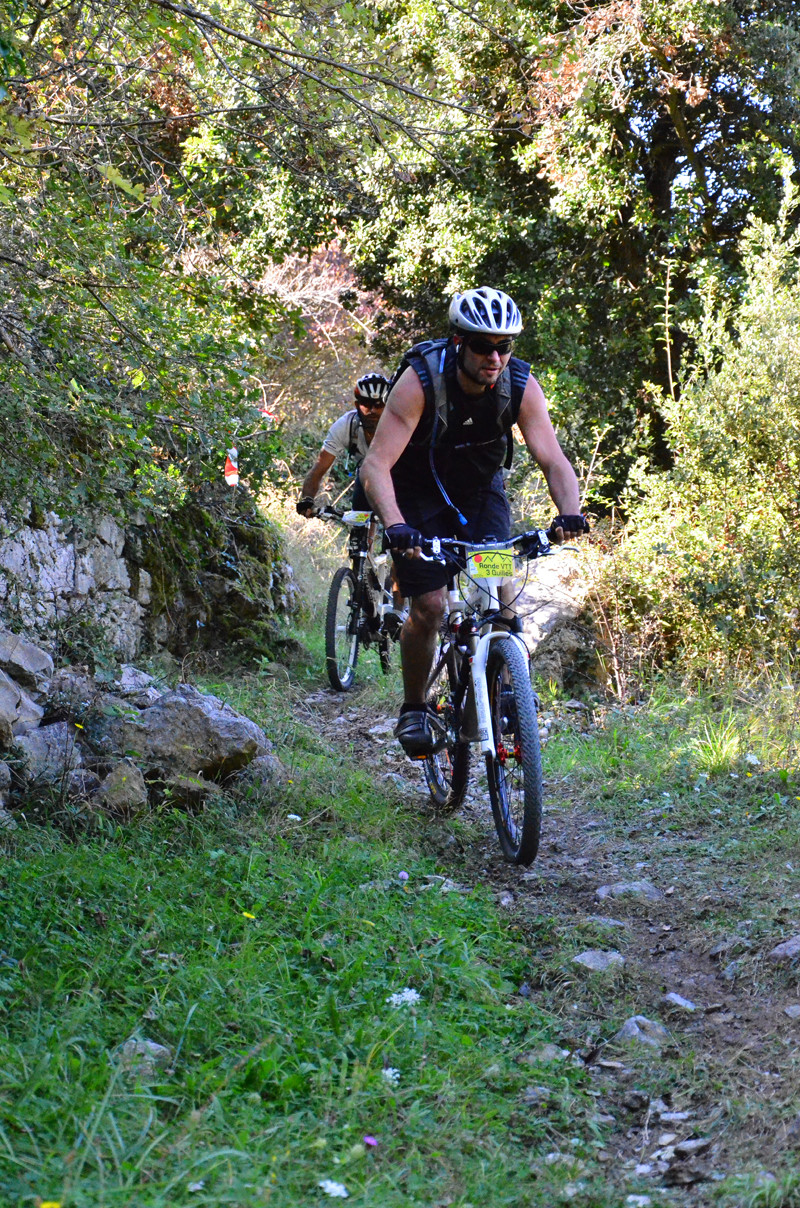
(341, 630)
(515, 771)
(447, 771)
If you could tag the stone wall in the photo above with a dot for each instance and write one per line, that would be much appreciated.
(208, 576)
(55, 574)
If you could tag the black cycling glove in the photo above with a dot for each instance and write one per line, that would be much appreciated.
(305, 505)
(401, 537)
(571, 524)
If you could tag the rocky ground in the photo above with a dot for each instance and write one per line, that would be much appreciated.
(615, 922)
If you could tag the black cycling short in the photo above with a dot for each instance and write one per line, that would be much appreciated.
(488, 517)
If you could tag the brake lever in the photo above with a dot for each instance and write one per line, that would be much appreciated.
(436, 554)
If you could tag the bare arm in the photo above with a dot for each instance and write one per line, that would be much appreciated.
(397, 424)
(315, 475)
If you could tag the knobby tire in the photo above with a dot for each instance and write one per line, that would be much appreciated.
(515, 772)
(447, 771)
(341, 631)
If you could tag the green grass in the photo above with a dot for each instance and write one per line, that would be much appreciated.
(262, 952)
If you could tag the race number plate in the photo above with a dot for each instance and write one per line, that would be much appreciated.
(492, 564)
(356, 518)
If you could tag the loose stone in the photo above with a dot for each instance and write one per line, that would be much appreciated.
(598, 961)
(644, 890)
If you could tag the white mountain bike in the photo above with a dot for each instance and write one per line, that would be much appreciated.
(481, 690)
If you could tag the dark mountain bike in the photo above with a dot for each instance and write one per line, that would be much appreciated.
(360, 610)
(481, 690)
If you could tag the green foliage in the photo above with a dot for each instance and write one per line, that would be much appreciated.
(573, 158)
(713, 547)
(626, 142)
(132, 350)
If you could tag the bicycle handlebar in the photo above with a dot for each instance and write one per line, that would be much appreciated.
(341, 514)
(535, 543)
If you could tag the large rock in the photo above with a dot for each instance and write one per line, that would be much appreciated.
(27, 664)
(123, 791)
(551, 605)
(189, 733)
(57, 571)
(50, 753)
(19, 712)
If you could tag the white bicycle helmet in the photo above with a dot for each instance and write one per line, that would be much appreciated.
(373, 386)
(486, 311)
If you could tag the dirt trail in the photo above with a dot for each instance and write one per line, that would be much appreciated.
(677, 1116)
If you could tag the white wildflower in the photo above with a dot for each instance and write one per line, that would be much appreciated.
(391, 1075)
(198, 1186)
(751, 758)
(337, 1191)
(293, 818)
(403, 998)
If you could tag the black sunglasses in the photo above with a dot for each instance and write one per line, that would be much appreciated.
(370, 404)
(485, 348)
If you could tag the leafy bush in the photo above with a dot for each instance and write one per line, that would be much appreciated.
(712, 550)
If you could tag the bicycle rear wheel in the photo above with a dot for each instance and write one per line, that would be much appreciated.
(515, 772)
(341, 630)
(447, 771)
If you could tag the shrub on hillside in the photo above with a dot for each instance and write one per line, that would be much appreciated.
(712, 548)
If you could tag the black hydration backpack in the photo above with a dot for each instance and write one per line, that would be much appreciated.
(428, 359)
(352, 440)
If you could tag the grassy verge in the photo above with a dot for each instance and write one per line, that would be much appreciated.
(261, 944)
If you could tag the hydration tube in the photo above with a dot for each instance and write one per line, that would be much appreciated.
(459, 515)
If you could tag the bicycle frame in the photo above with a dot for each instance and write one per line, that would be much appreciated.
(361, 527)
(489, 592)
(479, 657)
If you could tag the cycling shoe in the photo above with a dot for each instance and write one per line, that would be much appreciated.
(420, 733)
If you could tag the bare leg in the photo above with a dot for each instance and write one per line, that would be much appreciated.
(418, 641)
